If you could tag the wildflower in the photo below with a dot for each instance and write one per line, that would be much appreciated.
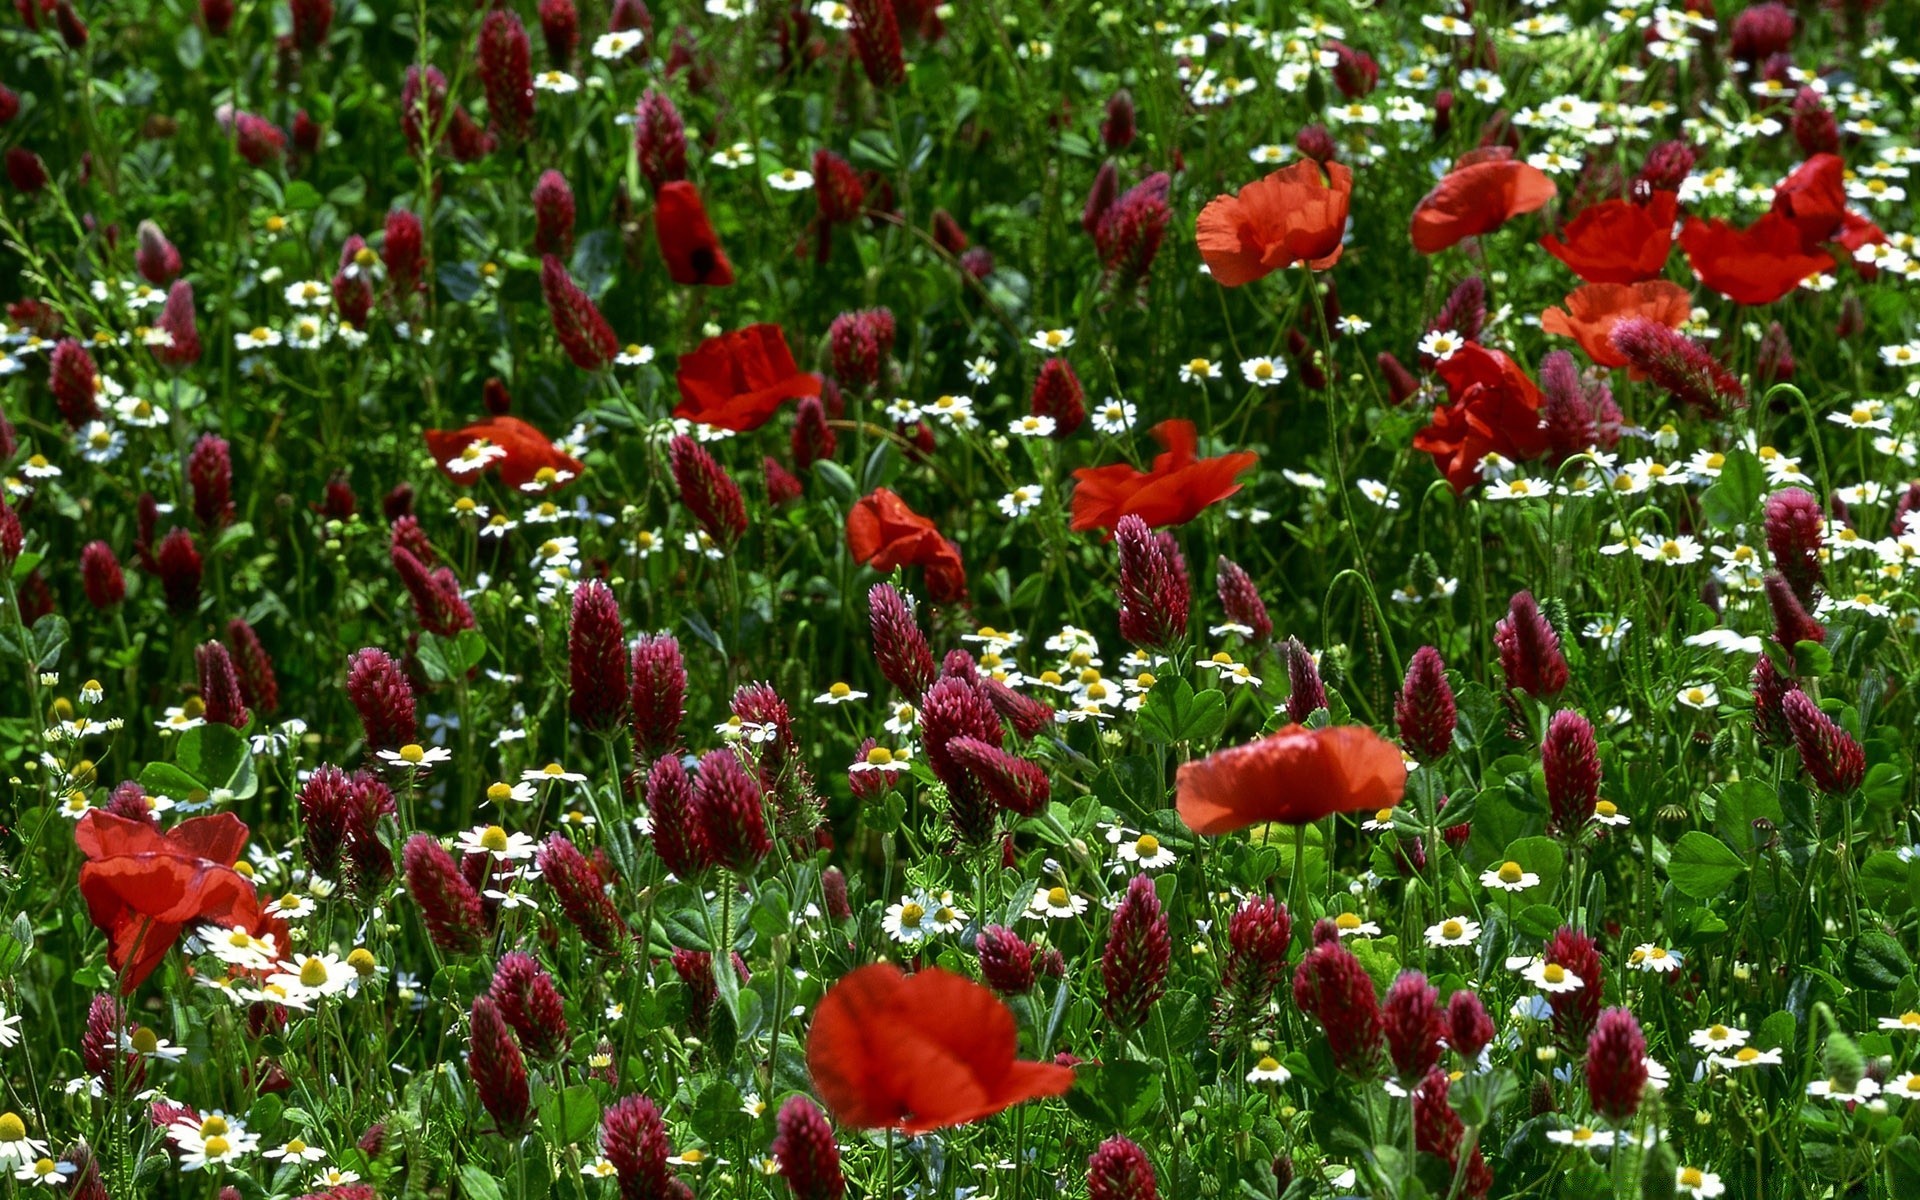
(883, 532)
(1829, 753)
(1294, 776)
(1616, 1065)
(687, 241)
(1692, 1181)
(1483, 192)
(1454, 931)
(1746, 1056)
(1331, 986)
(1268, 1070)
(1057, 903)
(1509, 877)
(1297, 214)
(1551, 978)
(1134, 966)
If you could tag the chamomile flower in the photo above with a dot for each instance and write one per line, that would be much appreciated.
(295, 1150)
(1906, 1022)
(1268, 1070)
(1056, 903)
(634, 355)
(790, 179)
(980, 370)
(553, 772)
(905, 922)
(1263, 372)
(1718, 1039)
(884, 760)
(415, 757)
(839, 693)
(1509, 876)
(1379, 493)
(611, 47)
(46, 1172)
(1032, 425)
(1199, 370)
(316, 974)
(495, 840)
(1454, 931)
(1746, 1056)
(1553, 979)
(1051, 341)
(1699, 696)
(1114, 416)
(1441, 344)
(1654, 959)
(1353, 925)
(1146, 852)
(1021, 500)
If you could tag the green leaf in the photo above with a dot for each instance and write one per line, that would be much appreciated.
(1903, 1166)
(596, 257)
(1702, 867)
(219, 757)
(476, 1184)
(50, 635)
(1174, 712)
(165, 779)
(1543, 856)
(836, 480)
(1877, 962)
(573, 1113)
(1733, 496)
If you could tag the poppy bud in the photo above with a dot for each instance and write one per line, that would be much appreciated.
(218, 16)
(1401, 385)
(1153, 589)
(506, 72)
(403, 251)
(1306, 693)
(1424, 710)
(552, 214)
(75, 382)
(1013, 783)
(1057, 394)
(180, 568)
(659, 695)
(726, 808)
(1469, 1029)
(449, 907)
(813, 439)
(1006, 960)
(676, 839)
(1831, 756)
(583, 333)
(210, 475)
(1241, 600)
(325, 817)
(155, 258)
(1683, 367)
(100, 571)
(876, 37)
(1796, 530)
(954, 709)
(804, 1149)
(1411, 1020)
(635, 1142)
(1316, 143)
(498, 1069)
(596, 659)
(861, 343)
(560, 25)
(219, 687)
(1139, 951)
(1791, 623)
(1530, 655)
(1117, 130)
(660, 140)
(707, 491)
(1574, 1012)
(1331, 986)
(899, 648)
(581, 894)
(1106, 185)
(383, 698)
(25, 171)
(530, 1003)
(1119, 1170)
(1571, 761)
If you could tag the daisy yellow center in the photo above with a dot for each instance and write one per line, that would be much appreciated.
(946, 915)
(545, 475)
(1347, 921)
(1670, 549)
(1913, 1083)
(100, 439)
(12, 1128)
(144, 1041)
(1692, 1177)
(879, 756)
(37, 461)
(276, 224)
(1697, 695)
(1264, 371)
(498, 792)
(216, 1146)
(213, 1126)
(1049, 677)
(1383, 815)
(1582, 1134)
(260, 333)
(1451, 928)
(1080, 658)
(45, 1167)
(1222, 657)
(1267, 1064)
(1054, 338)
(296, 1146)
(1554, 973)
(494, 838)
(839, 691)
(142, 409)
(553, 769)
(362, 962)
(905, 711)
(239, 939)
(693, 1156)
(313, 973)
(1605, 808)
(1096, 691)
(911, 915)
(1657, 953)
(1910, 1019)
(1510, 872)
(1057, 897)
(1718, 1033)
(1199, 366)
(1147, 846)
(1145, 680)
(413, 753)
(1747, 1054)
(289, 901)
(786, 173)
(549, 549)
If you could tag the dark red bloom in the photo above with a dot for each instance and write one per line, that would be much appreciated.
(1796, 531)
(1014, 783)
(259, 687)
(12, 537)
(1770, 689)
(1574, 1012)
(1120, 1170)
(876, 36)
(498, 1069)
(1241, 599)
(1153, 591)
(676, 838)
(219, 687)
(530, 456)
(1298, 214)
(258, 140)
(530, 1003)
(155, 258)
(1687, 370)
(1424, 709)
(210, 475)
(437, 602)
(596, 659)
(1305, 692)
(1057, 394)
(1006, 960)
(659, 695)
(738, 380)
(954, 709)
(1438, 1130)
(1411, 1023)
(584, 334)
(1133, 969)
(1618, 241)
(1792, 624)
(1128, 234)
(1616, 1066)
(1177, 488)
(182, 347)
(1484, 191)
(1836, 762)
(1571, 760)
(384, 699)
(75, 382)
(179, 566)
(727, 809)
(1331, 986)
(505, 59)
(1492, 408)
(403, 251)
(100, 574)
(1117, 128)
(804, 1149)
(552, 211)
(1756, 265)
(1761, 32)
(877, 1063)
(660, 140)
(581, 893)
(1469, 1029)
(1293, 776)
(884, 533)
(861, 342)
(687, 240)
(449, 905)
(325, 815)
(311, 20)
(709, 493)
(560, 28)
(1530, 655)
(813, 439)
(25, 171)
(899, 647)
(635, 1141)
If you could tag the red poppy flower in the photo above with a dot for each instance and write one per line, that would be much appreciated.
(687, 240)
(527, 452)
(1755, 265)
(1483, 192)
(143, 887)
(885, 534)
(1294, 776)
(1174, 492)
(1492, 407)
(1292, 216)
(920, 1052)
(1593, 311)
(1814, 198)
(740, 379)
(1618, 241)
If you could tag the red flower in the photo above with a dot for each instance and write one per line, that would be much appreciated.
(1814, 198)
(1294, 776)
(737, 380)
(1619, 241)
(1593, 311)
(687, 240)
(878, 1062)
(1492, 407)
(1755, 265)
(884, 533)
(1295, 215)
(1485, 190)
(1174, 492)
(528, 451)
(143, 887)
